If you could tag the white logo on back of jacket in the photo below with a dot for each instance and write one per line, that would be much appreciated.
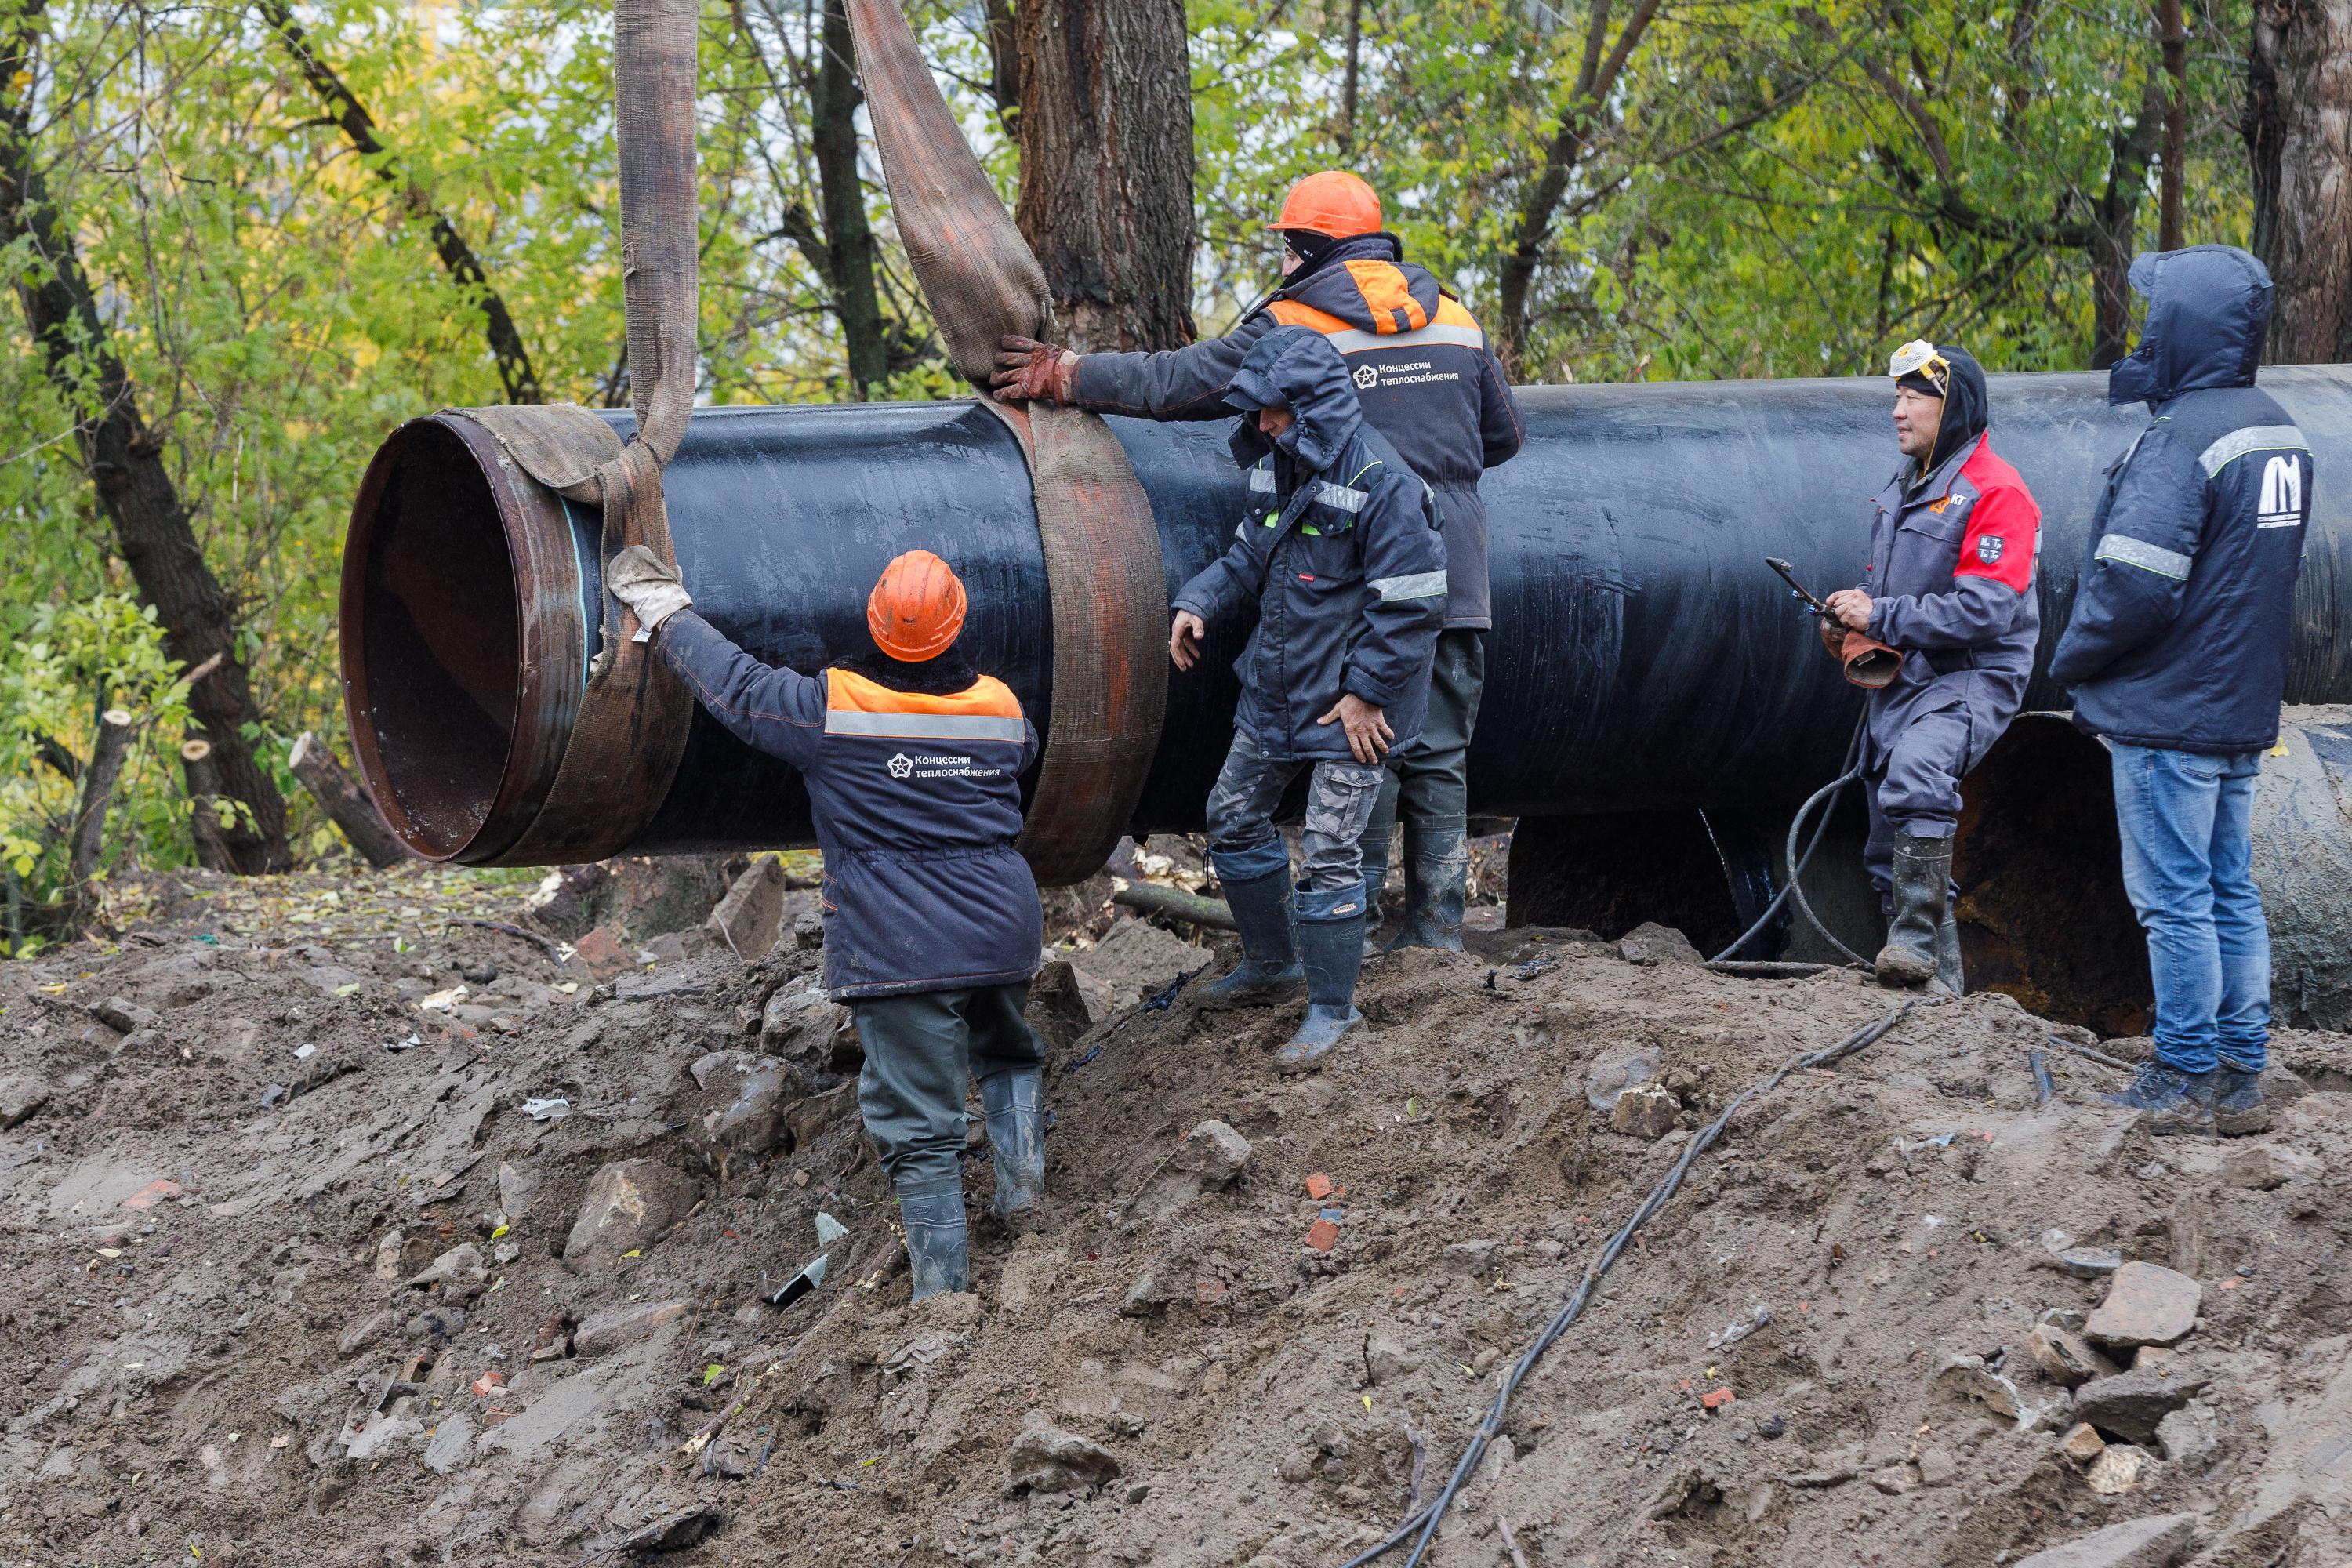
(901, 766)
(2282, 494)
(1368, 376)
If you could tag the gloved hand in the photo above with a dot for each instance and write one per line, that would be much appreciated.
(638, 579)
(1027, 369)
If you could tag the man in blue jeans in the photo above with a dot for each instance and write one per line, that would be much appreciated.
(2177, 655)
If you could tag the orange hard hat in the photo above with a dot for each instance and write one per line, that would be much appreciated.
(916, 607)
(1333, 201)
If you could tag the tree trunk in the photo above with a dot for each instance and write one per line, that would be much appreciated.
(834, 99)
(1348, 81)
(2113, 218)
(1596, 79)
(358, 126)
(1106, 167)
(2170, 225)
(124, 461)
(2298, 127)
(341, 798)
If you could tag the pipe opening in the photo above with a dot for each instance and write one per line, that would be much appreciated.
(2043, 915)
(432, 638)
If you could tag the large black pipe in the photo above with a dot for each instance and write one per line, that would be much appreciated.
(1642, 656)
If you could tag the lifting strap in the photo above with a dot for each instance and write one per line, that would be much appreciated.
(1103, 567)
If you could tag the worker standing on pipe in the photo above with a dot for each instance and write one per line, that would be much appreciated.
(1428, 383)
(932, 925)
(2177, 653)
(1950, 582)
(1341, 551)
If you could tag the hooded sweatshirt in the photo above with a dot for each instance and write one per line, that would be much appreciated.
(1422, 374)
(2180, 631)
(1339, 550)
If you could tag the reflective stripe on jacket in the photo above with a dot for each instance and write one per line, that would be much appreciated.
(917, 802)
(1423, 373)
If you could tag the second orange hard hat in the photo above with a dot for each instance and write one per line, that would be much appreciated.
(916, 607)
(1333, 201)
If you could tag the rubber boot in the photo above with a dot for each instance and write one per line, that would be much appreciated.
(937, 1254)
(1948, 973)
(1378, 835)
(2171, 1103)
(1436, 873)
(1331, 940)
(1922, 882)
(1258, 889)
(2239, 1108)
(1014, 1103)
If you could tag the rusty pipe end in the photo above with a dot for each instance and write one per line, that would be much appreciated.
(464, 635)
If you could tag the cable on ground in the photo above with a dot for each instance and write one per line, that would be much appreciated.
(1427, 1519)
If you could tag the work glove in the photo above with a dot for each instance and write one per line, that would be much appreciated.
(638, 579)
(1027, 369)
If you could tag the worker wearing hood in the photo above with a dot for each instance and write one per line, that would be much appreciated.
(1948, 583)
(2176, 653)
(1341, 555)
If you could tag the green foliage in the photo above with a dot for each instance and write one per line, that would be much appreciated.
(70, 664)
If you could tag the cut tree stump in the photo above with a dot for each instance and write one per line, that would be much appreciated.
(107, 750)
(342, 798)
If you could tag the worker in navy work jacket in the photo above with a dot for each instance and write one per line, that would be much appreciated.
(1949, 583)
(1429, 384)
(1340, 551)
(2176, 653)
(932, 925)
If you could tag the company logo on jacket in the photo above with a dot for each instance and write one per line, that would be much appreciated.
(2282, 503)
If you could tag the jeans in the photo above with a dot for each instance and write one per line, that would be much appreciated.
(2188, 848)
(1339, 803)
(918, 1047)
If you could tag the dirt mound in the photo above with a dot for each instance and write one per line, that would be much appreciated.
(445, 1244)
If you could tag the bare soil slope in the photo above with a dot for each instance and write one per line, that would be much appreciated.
(286, 1287)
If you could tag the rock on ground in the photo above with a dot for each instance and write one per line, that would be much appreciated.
(2144, 1305)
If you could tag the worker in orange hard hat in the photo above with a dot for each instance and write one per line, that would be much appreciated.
(932, 926)
(1428, 382)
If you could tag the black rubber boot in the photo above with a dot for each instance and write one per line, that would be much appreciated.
(1015, 1105)
(1922, 882)
(1436, 873)
(1331, 940)
(2172, 1104)
(1379, 834)
(1258, 891)
(1948, 973)
(937, 1252)
(2239, 1108)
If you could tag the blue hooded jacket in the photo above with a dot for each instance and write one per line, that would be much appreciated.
(2180, 626)
(1340, 549)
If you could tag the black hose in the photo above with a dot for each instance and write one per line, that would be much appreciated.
(1795, 889)
(1797, 866)
(1428, 1518)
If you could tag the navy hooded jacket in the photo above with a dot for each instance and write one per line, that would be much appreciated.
(2180, 626)
(1340, 549)
(917, 801)
(1422, 370)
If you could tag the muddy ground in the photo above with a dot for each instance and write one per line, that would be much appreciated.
(306, 1266)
